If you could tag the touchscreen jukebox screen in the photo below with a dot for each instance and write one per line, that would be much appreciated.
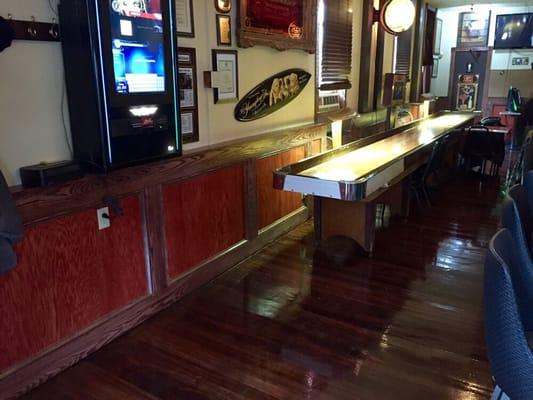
(138, 46)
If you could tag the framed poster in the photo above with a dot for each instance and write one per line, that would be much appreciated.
(223, 6)
(226, 61)
(438, 37)
(223, 30)
(435, 68)
(188, 93)
(473, 30)
(184, 18)
(281, 24)
(467, 88)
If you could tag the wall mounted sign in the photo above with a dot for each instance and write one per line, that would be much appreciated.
(281, 24)
(467, 86)
(271, 94)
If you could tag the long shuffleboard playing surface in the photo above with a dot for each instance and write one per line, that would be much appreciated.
(354, 172)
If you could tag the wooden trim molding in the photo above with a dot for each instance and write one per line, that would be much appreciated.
(155, 233)
(41, 204)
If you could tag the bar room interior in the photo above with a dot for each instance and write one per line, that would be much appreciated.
(266, 199)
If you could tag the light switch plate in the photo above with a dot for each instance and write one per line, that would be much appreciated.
(103, 222)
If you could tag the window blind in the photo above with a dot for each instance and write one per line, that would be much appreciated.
(336, 60)
(403, 53)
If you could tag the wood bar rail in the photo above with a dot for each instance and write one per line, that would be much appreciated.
(185, 220)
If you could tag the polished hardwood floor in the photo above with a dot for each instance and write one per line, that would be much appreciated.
(297, 321)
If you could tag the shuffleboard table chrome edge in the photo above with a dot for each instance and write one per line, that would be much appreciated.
(348, 190)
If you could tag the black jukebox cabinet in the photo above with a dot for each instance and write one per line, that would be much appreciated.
(120, 71)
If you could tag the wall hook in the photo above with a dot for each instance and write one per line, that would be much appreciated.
(54, 29)
(31, 29)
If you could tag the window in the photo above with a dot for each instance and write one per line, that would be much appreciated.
(335, 44)
(402, 54)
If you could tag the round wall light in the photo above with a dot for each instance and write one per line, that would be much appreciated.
(397, 16)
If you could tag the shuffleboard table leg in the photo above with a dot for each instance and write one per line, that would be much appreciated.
(317, 218)
(354, 219)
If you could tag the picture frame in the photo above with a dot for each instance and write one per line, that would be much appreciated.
(435, 68)
(223, 30)
(184, 18)
(226, 61)
(223, 6)
(283, 25)
(188, 94)
(438, 37)
(467, 92)
(473, 29)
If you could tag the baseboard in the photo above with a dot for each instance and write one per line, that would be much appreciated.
(35, 371)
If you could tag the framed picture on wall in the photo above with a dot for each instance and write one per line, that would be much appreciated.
(438, 37)
(185, 18)
(435, 68)
(473, 30)
(226, 62)
(467, 91)
(223, 30)
(188, 92)
(287, 24)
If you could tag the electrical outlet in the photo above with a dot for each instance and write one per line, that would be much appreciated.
(102, 214)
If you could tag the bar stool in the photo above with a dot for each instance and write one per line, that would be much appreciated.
(510, 357)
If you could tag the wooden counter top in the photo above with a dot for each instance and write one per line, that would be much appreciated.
(37, 204)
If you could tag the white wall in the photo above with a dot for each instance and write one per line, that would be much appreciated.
(450, 18)
(32, 75)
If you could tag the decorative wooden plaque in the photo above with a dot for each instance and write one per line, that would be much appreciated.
(271, 95)
(281, 24)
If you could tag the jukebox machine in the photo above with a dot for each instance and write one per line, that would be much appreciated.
(120, 72)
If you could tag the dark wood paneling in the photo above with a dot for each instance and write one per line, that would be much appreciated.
(45, 203)
(43, 367)
(69, 275)
(203, 216)
(273, 204)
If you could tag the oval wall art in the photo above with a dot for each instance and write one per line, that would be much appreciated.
(271, 94)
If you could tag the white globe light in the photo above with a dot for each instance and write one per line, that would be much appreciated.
(397, 16)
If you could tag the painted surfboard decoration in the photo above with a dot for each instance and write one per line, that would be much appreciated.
(271, 94)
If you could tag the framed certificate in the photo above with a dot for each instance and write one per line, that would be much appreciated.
(185, 18)
(223, 30)
(225, 61)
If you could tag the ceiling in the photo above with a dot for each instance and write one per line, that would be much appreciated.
(456, 3)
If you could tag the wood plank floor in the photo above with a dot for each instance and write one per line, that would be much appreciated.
(289, 323)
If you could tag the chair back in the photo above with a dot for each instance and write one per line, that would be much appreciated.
(509, 354)
(436, 157)
(519, 216)
(516, 219)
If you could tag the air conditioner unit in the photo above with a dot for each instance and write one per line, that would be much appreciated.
(329, 102)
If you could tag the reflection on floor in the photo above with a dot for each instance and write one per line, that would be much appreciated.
(289, 323)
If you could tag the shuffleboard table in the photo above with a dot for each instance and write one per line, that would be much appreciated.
(348, 182)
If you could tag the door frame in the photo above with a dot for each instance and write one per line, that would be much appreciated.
(486, 81)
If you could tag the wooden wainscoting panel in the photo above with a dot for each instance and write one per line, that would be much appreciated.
(273, 204)
(69, 274)
(203, 217)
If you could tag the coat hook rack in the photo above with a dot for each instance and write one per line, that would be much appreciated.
(34, 30)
